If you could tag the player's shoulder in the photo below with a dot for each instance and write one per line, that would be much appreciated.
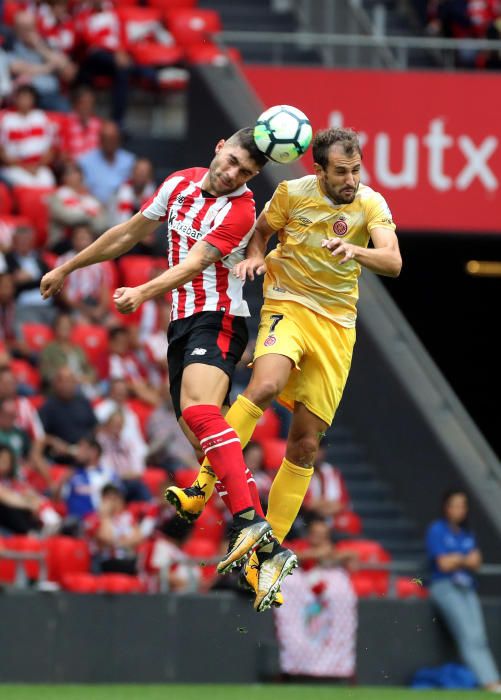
(188, 174)
(368, 196)
(301, 186)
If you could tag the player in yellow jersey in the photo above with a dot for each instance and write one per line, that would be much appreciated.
(307, 331)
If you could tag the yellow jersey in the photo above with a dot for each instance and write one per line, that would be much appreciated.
(299, 269)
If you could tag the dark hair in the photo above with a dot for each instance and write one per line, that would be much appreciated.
(91, 441)
(81, 90)
(28, 88)
(245, 139)
(112, 490)
(324, 139)
(116, 331)
(446, 497)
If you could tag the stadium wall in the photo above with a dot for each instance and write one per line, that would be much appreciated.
(215, 638)
(407, 416)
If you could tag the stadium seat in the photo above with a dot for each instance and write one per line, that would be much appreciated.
(25, 543)
(185, 477)
(143, 411)
(36, 335)
(137, 269)
(202, 549)
(273, 453)
(120, 583)
(94, 341)
(268, 426)
(6, 202)
(363, 585)
(26, 374)
(348, 523)
(369, 552)
(409, 588)
(81, 583)
(139, 31)
(167, 5)
(66, 555)
(191, 27)
(32, 203)
(210, 53)
(154, 479)
(210, 525)
(7, 566)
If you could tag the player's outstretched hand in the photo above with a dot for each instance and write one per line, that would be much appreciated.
(249, 268)
(340, 248)
(52, 283)
(127, 299)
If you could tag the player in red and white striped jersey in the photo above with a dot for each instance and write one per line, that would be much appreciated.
(210, 214)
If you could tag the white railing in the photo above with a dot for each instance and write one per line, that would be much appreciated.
(390, 51)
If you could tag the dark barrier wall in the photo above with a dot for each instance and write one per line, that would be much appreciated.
(214, 638)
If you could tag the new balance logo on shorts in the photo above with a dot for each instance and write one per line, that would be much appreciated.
(199, 351)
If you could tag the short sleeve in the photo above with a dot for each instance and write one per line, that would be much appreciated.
(378, 213)
(156, 207)
(232, 225)
(276, 210)
(435, 542)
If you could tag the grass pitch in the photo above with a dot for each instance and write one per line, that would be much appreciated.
(226, 692)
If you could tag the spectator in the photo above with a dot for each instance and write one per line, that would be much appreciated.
(327, 495)
(454, 558)
(14, 438)
(67, 416)
(253, 455)
(26, 142)
(107, 167)
(167, 555)
(82, 125)
(117, 401)
(32, 61)
(169, 447)
(86, 293)
(22, 510)
(27, 267)
(62, 352)
(120, 455)
(5, 81)
(114, 533)
(7, 310)
(57, 27)
(82, 492)
(27, 420)
(72, 205)
(124, 364)
(105, 55)
(134, 193)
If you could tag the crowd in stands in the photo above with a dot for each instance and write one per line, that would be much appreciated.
(468, 19)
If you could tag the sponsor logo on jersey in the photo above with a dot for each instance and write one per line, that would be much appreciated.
(184, 229)
(270, 340)
(199, 351)
(340, 226)
(304, 220)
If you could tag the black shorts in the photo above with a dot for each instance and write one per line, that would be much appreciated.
(209, 338)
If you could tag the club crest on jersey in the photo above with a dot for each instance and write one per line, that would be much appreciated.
(270, 340)
(340, 226)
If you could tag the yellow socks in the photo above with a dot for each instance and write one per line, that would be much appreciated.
(242, 417)
(286, 496)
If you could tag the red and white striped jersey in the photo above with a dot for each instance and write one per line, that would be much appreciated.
(26, 137)
(225, 222)
(81, 138)
(128, 202)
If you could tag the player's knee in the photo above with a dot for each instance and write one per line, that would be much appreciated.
(263, 392)
(303, 450)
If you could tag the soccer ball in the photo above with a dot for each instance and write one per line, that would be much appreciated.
(283, 133)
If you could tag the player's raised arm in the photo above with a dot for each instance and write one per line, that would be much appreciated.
(203, 254)
(114, 242)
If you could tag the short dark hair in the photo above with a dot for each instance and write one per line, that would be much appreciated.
(446, 497)
(324, 139)
(26, 87)
(112, 490)
(91, 441)
(245, 139)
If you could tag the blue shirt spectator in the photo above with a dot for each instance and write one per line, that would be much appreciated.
(107, 167)
(443, 538)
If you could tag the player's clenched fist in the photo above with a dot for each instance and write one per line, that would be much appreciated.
(127, 299)
(249, 268)
(346, 251)
(52, 283)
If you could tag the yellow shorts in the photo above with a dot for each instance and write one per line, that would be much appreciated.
(320, 349)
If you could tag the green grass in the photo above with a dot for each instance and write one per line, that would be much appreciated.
(225, 692)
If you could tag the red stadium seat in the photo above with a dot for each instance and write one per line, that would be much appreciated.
(81, 583)
(190, 27)
(94, 341)
(369, 552)
(7, 566)
(348, 522)
(143, 411)
(268, 426)
(32, 203)
(409, 588)
(166, 5)
(6, 201)
(139, 34)
(25, 543)
(36, 335)
(120, 583)
(66, 555)
(210, 525)
(202, 549)
(154, 479)
(26, 374)
(212, 54)
(363, 585)
(185, 477)
(273, 453)
(137, 269)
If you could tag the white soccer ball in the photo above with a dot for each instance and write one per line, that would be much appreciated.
(283, 133)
